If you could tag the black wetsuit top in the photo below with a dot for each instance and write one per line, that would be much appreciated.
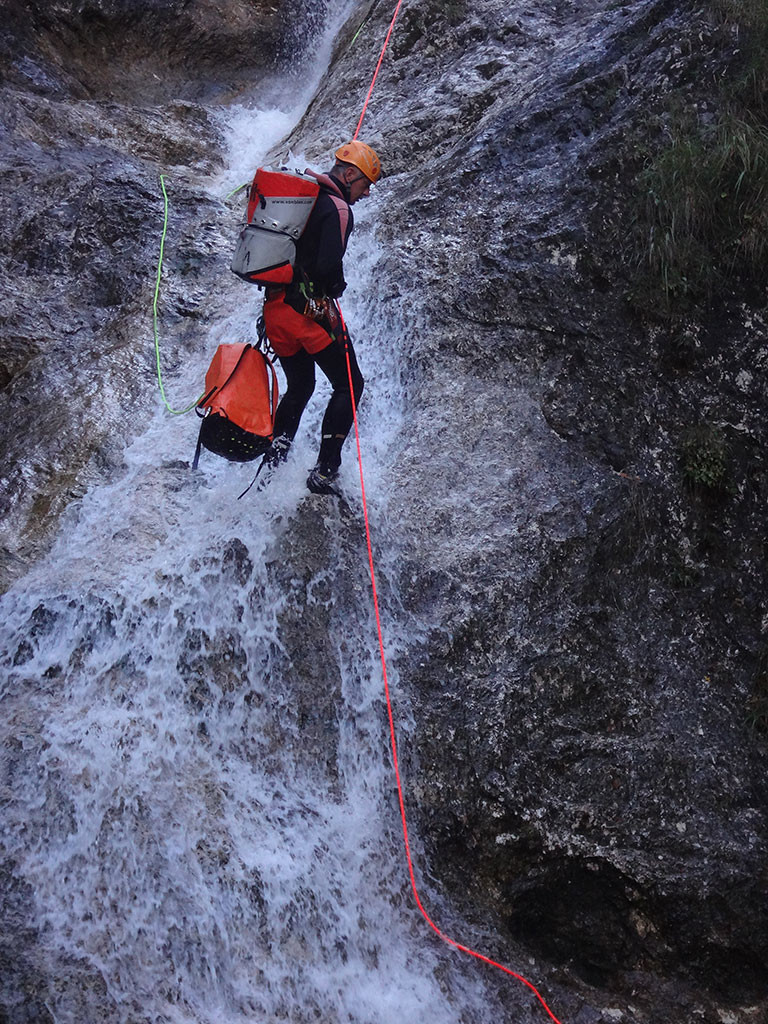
(320, 250)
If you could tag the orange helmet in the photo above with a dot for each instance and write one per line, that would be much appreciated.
(362, 157)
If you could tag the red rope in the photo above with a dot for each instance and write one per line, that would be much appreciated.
(392, 736)
(376, 72)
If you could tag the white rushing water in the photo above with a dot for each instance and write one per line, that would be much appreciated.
(199, 800)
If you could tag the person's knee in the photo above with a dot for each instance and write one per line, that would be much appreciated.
(359, 385)
(307, 390)
(300, 391)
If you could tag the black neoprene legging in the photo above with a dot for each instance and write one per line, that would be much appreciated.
(300, 380)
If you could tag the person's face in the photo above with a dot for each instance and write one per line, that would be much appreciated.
(359, 185)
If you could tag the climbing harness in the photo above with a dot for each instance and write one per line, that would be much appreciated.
(171, 410)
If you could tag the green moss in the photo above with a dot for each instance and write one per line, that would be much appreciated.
(704, 212)
(705, 459)
(702, 197)
(757, 708)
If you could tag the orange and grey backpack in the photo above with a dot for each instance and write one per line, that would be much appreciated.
(279, 205)
(239, 404)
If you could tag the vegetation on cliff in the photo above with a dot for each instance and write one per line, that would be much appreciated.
(702, 217)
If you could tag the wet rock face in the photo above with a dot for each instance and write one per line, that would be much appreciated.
(586, 765)
(584, 772)
(95, 105)
(147, 51)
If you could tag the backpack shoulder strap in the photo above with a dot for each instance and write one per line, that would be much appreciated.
(274, 389)
(198, 448)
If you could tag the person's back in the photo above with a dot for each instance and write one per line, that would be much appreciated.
(320, 250)
(302, 322)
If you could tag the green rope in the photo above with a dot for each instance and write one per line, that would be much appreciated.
(173, 412)
(354, 37)
(236, 190)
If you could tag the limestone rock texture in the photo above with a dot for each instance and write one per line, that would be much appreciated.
(586, 771)
(97, 100)
(588, 768)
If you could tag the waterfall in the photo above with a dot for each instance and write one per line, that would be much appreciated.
(199, 814)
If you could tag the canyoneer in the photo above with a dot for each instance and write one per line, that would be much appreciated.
(302, 322)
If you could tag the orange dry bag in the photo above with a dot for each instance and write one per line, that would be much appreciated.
(239, 405)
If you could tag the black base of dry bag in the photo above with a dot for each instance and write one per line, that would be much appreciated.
(223, 437)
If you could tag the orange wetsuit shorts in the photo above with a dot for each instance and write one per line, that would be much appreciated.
(289, 331)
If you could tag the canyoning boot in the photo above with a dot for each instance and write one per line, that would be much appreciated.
(277, 452)
(274, 456)
(323, 480)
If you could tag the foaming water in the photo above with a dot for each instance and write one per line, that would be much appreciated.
(199, 795)
(203, 809)
(257, 124)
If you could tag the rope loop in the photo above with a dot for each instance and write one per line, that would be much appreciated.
(264, 344)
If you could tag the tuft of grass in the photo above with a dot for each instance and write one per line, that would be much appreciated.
(705, 459)
(705, 209)
(702, 198)
(747, 22)
(757, 707)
